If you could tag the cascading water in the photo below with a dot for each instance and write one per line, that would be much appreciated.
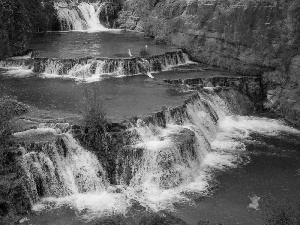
(60, 168)
(90, 69)
(94, 69)
(84, 16)
(171, 154)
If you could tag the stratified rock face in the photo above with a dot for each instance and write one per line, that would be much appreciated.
(239, 35)
(248, 37)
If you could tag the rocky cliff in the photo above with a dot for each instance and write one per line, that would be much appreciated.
(248, 37)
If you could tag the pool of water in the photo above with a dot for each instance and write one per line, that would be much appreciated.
(123, 97)
(112, 44)
(272, 174)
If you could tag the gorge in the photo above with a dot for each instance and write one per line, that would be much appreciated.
(203, 129)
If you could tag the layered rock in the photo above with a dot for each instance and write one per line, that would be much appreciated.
(248, 37)
(283, 90)
(248, 86)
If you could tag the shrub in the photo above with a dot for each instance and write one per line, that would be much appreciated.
(144, 52)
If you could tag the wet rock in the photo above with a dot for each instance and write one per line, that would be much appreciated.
(294, 70)
(4, 208)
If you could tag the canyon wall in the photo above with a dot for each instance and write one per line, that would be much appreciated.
(247, 37)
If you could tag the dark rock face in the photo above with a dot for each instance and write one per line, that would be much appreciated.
(247, 37)
(283, 91)
(13, 195)
(109, 13)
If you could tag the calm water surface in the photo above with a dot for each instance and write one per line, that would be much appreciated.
(123, 97)
(100, 44)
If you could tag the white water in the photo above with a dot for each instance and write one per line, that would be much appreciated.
(17, 72)
(87, 18)
(163, 174)
(91, 70)
(58, 171)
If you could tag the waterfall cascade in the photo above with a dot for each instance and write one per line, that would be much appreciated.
(161, 159)
(59, 168)
(166, 156)
(82, 16)
(170, 150)
(95, 68)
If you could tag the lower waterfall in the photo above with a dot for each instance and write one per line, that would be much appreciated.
(61, 168)
(171, 157)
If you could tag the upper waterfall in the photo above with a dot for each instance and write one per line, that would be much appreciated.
(84, 16)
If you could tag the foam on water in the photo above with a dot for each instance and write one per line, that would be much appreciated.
(236, 130)
(17, 72)
(35, 132)
(89, 205)
(251, 124)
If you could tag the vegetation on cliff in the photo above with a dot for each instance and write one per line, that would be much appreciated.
(19, 19)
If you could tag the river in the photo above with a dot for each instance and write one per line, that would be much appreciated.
(248, 162)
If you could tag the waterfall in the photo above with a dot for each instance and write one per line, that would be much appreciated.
(165, 158)
(168, 152)
(83, 16)
(90, 69)
(94, 69)
(60, 168)
(20, 68)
